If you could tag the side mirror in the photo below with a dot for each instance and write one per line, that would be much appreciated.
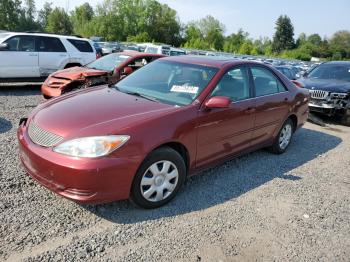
(127, 70)
(4, 47)
(218, 102)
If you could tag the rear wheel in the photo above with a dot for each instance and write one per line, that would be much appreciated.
(284, 138)
(159, 178)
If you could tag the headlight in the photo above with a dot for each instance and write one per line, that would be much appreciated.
(91, 146)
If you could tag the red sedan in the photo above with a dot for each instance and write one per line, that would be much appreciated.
(143, 136)
(106, 70)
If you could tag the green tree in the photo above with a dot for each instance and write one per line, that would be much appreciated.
(233, 42)
(340, 45)
(283, 37)
(207, 33)
(9, 14)
(43, 15)
(27, 21)
(58, 22)
(315, 39)
(81, 17)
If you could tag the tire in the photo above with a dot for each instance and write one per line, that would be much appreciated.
(46, 97)
(345, 120)
(158, 179)
(281, 144)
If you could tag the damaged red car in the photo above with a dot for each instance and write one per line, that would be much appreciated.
(106, 70)
(142, 137)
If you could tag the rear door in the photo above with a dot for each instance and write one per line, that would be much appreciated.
(21, 60)
(52, 54)
(271, 103)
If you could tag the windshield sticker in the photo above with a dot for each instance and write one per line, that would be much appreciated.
(185, 89)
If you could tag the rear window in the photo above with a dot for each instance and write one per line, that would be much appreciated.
(49, 44)
(81, 45)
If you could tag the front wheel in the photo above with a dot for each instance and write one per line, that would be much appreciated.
(345, 120)
(159, 178)
(284, 138)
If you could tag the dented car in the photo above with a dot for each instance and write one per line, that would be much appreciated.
(329, 87)
(106, 70)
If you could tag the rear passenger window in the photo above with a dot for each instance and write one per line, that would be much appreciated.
(81, 45)
(49, 44)
(265, 82)
(234, 84)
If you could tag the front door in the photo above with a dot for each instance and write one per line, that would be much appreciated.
(21, 60)
(223, 132)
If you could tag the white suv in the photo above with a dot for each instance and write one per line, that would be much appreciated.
(33, 55)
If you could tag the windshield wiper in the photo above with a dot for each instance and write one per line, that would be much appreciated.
(140, 95)
(137, 94)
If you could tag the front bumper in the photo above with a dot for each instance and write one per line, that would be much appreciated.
(99, 180)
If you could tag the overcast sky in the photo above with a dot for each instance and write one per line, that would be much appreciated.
(256, 16)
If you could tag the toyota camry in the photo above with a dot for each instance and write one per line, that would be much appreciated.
(141, 138)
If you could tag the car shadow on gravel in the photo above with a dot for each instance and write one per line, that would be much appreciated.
(20, 90)
(5, 125)
(228, 181)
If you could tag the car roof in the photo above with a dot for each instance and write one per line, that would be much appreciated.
(133, 53)
(211, 61)
(337, 63)
(44, 34)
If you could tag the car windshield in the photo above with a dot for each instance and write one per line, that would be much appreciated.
(168, 82)
(338, 72)
(3, 36)
(108, 62)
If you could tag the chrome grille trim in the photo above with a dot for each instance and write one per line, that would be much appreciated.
(318, 94)
(42, 137)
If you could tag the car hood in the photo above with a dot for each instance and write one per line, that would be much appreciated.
(78, 72)
(95, 111)
(330, 85)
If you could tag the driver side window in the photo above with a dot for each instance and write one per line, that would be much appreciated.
(234, 84)
(21, 43)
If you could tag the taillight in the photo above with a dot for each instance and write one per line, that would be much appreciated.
(297, 84)
(98, 55)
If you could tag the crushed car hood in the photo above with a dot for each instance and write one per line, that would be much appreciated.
(330, 85)
(97, 111)
(78, 72)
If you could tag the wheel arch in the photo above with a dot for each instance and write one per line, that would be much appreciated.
(179, 148)
(294, 119)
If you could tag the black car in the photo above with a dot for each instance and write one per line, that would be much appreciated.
(329, 85)
(287, 71)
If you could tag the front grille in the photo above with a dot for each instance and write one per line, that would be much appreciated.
(42, 137)
(318, 94)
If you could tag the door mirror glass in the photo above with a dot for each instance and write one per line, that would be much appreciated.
(218, 102)
(4, 47)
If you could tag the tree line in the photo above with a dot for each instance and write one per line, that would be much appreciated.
(151, 21)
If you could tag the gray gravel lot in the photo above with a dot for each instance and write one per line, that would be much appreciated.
(292, 207)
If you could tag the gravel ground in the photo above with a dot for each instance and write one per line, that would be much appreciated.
(292, 207)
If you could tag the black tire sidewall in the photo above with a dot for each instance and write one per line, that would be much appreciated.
(164, 153)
